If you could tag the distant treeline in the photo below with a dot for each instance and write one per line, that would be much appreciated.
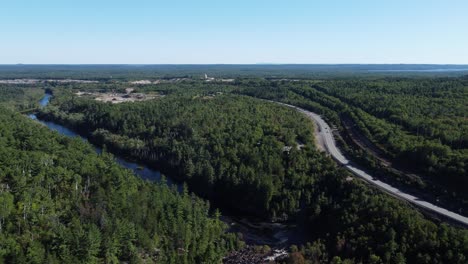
(274, 71)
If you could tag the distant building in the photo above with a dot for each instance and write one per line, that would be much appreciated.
(208, 79)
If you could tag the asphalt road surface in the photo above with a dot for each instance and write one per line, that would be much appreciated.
(328, 141)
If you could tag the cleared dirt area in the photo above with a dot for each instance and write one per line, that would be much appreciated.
(363, 142)
(367, 145)
(116, 98)
(159, 81)
(318, 139)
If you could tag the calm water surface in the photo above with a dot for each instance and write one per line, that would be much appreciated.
(253, 232)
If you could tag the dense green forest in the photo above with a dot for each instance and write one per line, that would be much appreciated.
(417, 124)
(252, 155)
(347, 220)
(353, 223)
(435, 109)
(25, 98)
(202, 134)
(60, 202)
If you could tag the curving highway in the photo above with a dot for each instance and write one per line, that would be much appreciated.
(325, 133)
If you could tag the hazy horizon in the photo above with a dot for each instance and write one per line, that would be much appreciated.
(235, 64)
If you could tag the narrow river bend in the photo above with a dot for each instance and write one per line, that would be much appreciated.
(254, 232)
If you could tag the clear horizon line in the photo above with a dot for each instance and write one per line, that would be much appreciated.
(259, 63)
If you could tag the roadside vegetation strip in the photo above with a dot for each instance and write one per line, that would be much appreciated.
(332, 149)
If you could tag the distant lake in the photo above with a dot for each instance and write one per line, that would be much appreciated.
(422, 70)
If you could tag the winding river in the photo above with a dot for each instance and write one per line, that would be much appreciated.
(139, 169)
(254, 232)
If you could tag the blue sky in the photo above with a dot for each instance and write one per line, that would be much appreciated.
(179, 32)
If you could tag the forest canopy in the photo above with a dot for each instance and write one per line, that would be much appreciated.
(60, 202)
(221, 143)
